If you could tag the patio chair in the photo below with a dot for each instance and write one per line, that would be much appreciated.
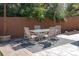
(38, 33)
(51, 35)
(57, 29)
(28, 35)
(51, 32)
(37, 27)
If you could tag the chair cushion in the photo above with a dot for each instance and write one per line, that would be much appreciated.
(33, 36)
(45, 35)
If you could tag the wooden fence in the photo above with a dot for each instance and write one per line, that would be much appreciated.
(15, 25)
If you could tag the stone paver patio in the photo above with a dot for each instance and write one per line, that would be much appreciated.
(8, 51)
(63, 50)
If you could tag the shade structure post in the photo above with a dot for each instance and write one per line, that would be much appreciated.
(4, 19)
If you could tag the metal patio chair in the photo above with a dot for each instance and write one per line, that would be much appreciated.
(37, 27)
(51, 35)
(28, 35)
(57, 29)
(39, 34)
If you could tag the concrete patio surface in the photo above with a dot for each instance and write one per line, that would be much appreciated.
(8, 51)
(74, 37)
(63, 50)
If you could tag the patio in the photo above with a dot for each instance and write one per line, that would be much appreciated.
(50, 38)
(69, 48)
(63, 50)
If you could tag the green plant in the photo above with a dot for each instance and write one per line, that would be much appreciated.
(1, 10)
(56, 11)
(73, 9)
(40, 12)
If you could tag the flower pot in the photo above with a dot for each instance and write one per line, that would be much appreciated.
(5, 38)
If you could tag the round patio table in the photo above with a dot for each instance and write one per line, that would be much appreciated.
(39, 30)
